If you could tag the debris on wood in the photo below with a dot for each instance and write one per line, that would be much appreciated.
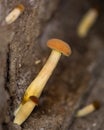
(37, 62)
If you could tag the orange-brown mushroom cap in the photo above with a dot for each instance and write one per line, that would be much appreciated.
(60, 46)
(21, 7)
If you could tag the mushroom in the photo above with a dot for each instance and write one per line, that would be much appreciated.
(88, 109)
(36, 87)
(86, 23)
(14, 14)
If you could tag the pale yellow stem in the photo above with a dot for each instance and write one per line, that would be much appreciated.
(87, 21)
(24, 112)
(39, 82)
(85, 111)
(36, 88)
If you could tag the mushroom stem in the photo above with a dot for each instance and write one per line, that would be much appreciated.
(88, 109)
(14, 14)
(39, 82)
(85, 111)
(24, 111)
(86, 23)
(36, 87)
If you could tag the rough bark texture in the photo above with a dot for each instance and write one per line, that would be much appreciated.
(93, 121)
(23, 43)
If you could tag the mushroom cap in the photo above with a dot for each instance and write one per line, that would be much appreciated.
(21, 7)
(60, 46)
(96, 104)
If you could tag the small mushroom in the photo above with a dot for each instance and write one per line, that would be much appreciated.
(86, 23)
(14, 14)
(88, 109)
(36, 87)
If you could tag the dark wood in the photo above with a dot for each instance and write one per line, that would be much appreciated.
(3, 74)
